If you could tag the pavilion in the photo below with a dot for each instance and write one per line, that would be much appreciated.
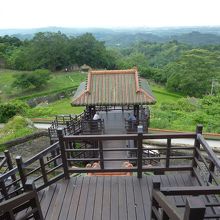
(115, 89)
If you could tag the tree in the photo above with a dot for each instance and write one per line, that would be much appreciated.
(36, 79)
(192, 74)
(86, 49)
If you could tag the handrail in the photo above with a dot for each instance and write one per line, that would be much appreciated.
(3, 162)
(8, 174)
(195, 208)
(41, 154)
(171, 211)
(169, 135)
(209, 151)
(101, 137)
(129, 136)
(190, 190)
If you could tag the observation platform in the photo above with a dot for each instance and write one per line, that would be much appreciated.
(107, 198)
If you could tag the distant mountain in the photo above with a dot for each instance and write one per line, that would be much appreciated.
(122, 37)
(197, 38)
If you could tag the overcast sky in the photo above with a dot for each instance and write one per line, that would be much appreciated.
(108, 13)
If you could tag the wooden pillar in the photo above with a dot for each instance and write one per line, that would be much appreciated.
(101, 155)
(9, 164)
(195, 209)
(168, 153)
(212, 170)
(197, 146)
(3, 189)
(34, 203)
(156, 186)
(134, 111)
(21, 170)
(63, 153)
(43, 170)
(140, 152)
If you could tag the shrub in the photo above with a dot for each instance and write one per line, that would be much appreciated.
(16, 127)
(8, 110)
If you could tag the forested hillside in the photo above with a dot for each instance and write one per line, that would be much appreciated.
(53, 51)
(183, 68)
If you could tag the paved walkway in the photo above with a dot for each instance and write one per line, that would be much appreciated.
(114, 124)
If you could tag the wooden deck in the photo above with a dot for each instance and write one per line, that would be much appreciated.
(106, 198)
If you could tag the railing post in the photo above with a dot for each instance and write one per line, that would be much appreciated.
(140, 151)
(195, 209)
(21, 170)
(63, 152)
(29, 185)
(9, 163)
(3, 189)
(34, 203)
(43, 170)
(168, 153)
(101, 156)
(197, 147)
(212, 169)
(156, 186)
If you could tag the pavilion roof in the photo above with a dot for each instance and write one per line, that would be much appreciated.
(112, 88)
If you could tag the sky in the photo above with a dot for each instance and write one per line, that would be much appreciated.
(108, 13)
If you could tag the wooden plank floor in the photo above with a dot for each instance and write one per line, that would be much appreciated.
(105, 198)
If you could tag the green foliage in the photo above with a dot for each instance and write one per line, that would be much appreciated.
(8, 110)
(17, 127)
(193, 73)
(55, 51)
(186, 113)
(37, 79)
(86, 49)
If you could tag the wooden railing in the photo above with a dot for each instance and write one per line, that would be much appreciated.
(25, 206)
(43, 172)
(166, 158)
(62, 159)
(144, 119)
(70, 124)
(131, 126)
(5, 162)
(194, 207)
(92, 126)
(206, 165)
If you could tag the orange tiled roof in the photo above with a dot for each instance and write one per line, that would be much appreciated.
(113, 87)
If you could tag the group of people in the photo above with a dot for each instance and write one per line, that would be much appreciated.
(130, 117)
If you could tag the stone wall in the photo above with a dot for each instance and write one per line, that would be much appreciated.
(25, 139)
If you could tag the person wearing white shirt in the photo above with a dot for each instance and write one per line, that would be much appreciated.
(96, 116)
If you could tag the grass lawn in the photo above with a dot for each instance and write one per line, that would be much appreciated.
(58, 81)
(162, 95)
(56, 108)
(63, 107)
